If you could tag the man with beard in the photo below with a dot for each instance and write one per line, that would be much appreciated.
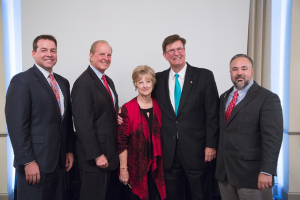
(251, 130)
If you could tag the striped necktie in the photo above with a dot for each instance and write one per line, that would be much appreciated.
(54, 87)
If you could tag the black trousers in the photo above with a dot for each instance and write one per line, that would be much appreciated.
(50, 187)
(175, 179)
(103, 185)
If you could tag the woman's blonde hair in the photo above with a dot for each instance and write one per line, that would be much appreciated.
(141, 70)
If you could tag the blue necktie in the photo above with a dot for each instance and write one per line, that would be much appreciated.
(177, 93)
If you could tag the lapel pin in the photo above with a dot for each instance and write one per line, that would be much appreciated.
(191, 82)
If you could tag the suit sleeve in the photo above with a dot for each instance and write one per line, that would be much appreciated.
(271, 123)
(83, 114)
(18, 119)
(70, 129)
(212, 111)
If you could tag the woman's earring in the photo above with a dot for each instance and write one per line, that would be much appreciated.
(135, 89)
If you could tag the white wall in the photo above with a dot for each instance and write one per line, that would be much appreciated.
(294, 114)
(215, 31)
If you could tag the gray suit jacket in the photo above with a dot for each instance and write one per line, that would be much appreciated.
(250, 142)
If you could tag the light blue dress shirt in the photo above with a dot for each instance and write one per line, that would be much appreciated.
(241, 96)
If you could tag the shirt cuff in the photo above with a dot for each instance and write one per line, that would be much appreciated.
(266, 173)
(29, 162)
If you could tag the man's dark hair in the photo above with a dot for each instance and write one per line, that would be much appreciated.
(171, 39)
(42, 37)
(242, 56)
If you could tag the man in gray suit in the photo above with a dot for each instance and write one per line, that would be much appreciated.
(251, 130)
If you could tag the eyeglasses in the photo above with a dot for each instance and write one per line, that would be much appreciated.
(179, 50)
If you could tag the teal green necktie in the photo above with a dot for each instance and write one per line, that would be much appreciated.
(177, 94)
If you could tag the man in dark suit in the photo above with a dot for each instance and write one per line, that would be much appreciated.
(95, 105)
(251, 130)
(189, 103)
(39, 122)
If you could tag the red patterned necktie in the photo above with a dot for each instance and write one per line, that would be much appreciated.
(231, 105)
(54, 87)
(106, 85)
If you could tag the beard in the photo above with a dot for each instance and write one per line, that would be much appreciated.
(240, 85)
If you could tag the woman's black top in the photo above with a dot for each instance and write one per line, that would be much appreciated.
(148, 118)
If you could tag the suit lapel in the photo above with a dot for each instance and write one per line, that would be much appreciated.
(64, 92)
(223, 102)
(166, 93)
(111, 85)
(187, 86)
(101, 87)
(45, 85)
(250, 94)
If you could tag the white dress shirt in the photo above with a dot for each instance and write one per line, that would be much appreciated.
(172, 83)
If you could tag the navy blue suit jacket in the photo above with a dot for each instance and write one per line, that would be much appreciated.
(35, 126)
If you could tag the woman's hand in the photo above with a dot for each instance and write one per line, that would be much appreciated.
(124, 176)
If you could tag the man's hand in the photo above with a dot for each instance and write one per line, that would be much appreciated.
(101, 161)
(120, 119)
(32, 173)
(210, 154)
(124, 176)
(69, 161)
(264, 181)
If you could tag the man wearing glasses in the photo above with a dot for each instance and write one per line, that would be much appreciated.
(189, 102)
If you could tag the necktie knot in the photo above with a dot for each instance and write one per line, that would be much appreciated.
(104, 78)
(51, 77)
(235, 95)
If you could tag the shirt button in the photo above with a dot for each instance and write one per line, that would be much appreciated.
(176, 122)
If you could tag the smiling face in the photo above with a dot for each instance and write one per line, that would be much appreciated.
(241, 72)
(101, 58)
(45, 55)
(175, 58)
(144, 85)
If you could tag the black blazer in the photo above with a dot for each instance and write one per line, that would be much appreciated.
(251, 140)
(197, 118)
(35, 126)
(95, 121)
